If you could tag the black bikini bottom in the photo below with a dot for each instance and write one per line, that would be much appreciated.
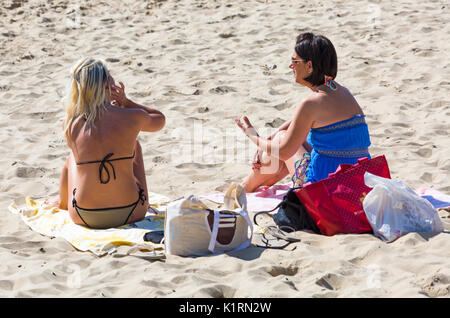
(108, 217)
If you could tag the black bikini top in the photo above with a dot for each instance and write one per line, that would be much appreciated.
(103, 166)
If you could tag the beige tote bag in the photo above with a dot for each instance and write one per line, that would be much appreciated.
(195, 227)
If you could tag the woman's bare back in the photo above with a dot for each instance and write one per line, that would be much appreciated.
(114, 133)
(334, 106)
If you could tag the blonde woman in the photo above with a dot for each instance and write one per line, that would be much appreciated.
(103, 181)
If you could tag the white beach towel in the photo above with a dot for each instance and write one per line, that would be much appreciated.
(122, 241)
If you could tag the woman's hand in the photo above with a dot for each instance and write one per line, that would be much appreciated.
(251, 132)
(117, 94)
(256, 163)
(247, 127)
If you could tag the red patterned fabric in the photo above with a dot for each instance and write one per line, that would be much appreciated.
(335, 203)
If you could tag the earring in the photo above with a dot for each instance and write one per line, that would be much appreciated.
(330, 83)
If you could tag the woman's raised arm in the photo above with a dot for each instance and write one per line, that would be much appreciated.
(151, 119)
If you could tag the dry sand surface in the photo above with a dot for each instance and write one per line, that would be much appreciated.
(202, 63)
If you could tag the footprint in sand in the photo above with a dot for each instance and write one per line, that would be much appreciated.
(177, 42)
(52, 67)
(159, 159)
(427, 177)
(437, 285)
(233, 16)
(277, 122)
(203, 109)
(275, 271)
(424, 152)
(216, 291)
(196, 166)
(27, 172)
(438, 104)
(222, 90)
(275, 92)
(260, 100)
(441, 132)
(226, 35)
(112, 60)
(9, 34)
(44, 115)
(199, 84)
(278, 82)
(330, 281)
(282, 106)
(401, 125)
(6, 285)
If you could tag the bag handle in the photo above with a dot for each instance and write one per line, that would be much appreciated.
(265, 212)
(345, 166)
(278, 205)
(361, 160)
(340, 169)
(214, 232)
(277, 231)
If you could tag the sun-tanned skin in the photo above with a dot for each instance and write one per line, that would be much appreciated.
(116, 131)
(287, 145)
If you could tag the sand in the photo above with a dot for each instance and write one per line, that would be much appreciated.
(203, 63)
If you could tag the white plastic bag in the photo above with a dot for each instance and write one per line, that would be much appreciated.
(393, 209)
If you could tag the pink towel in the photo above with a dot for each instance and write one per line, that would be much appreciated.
(263, 199)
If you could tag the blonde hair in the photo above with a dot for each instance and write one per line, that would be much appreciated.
(87, 95)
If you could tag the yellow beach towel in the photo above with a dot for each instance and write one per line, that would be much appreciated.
(121, 241)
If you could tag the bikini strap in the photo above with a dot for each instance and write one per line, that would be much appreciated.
(74, 202)
(142, 196)
(103, 166)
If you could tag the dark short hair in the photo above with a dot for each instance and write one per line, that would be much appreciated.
(320, 51)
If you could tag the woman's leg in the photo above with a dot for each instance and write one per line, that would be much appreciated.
(139, 175)
(61, 200)
(64, 185)
(272, 169)
(258, 178)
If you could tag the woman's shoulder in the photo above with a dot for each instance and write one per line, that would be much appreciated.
(311, 104)
(341, 98)
(121, 114)
(123, 110)
(131, 112)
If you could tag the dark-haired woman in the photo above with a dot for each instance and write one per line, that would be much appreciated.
(328, 127)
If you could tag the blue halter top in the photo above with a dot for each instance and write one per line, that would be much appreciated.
(339, 143)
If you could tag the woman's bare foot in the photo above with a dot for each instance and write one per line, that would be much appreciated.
(53, 201)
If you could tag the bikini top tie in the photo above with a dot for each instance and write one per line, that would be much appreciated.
(102, 167)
